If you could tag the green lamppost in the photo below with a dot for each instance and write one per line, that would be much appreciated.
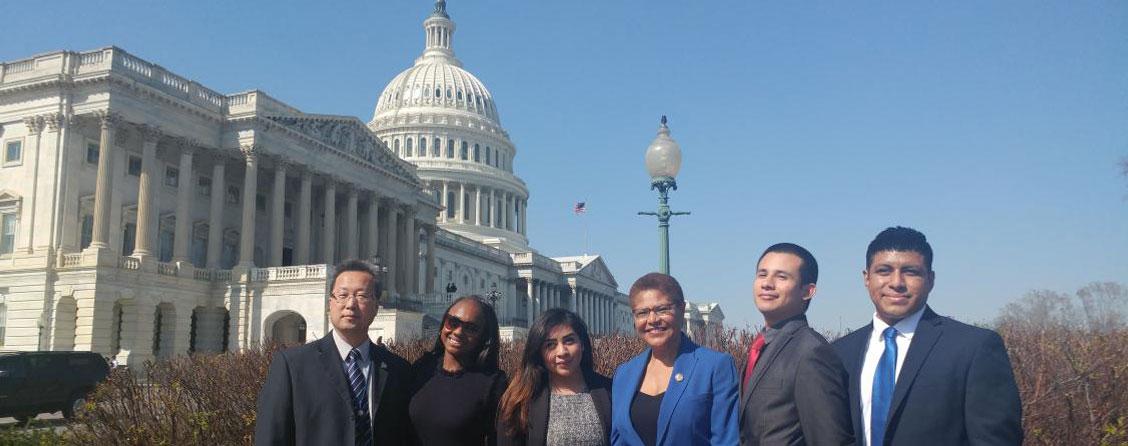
(663, 160)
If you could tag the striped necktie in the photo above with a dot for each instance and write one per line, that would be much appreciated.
(358, 385)
(884, 381)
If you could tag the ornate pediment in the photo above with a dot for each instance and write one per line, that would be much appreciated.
(346, 134)
(9, 199)
(598, 271)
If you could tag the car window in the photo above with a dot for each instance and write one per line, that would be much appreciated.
(14, 367)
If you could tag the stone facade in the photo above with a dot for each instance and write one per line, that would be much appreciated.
(144, 215)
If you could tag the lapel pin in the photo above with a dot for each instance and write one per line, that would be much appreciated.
(678, 377)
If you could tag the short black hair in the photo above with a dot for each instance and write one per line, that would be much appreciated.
(808, 269)
(364, 267)
(900, 238)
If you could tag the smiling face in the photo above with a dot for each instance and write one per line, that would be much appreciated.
(898, 283)
(562, 352)
(778, 287)
(461, 333)
(354, 313)
(657, 318)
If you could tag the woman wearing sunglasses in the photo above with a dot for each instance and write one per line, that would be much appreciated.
(458, 383)
(674, 392)
(556, 397)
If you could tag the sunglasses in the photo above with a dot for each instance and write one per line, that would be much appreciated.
(452, 323)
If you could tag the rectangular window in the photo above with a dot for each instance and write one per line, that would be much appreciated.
(233, 194)
(172, 176)
(133, 167)
(87, 234)
(260, 202)
(8, 232)
(13, 152)
(203, 186)
(92, 153)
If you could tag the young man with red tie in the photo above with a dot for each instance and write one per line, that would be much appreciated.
(793, 385)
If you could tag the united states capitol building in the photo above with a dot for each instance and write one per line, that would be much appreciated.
(144, 215)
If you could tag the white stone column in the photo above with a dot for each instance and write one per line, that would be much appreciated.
(329, 229)
(146, 206)
(446, 201)
(477, 205)
(250, 191)
(390, 259)
(429, 278)
(305, 193)
(412, 255)
(351, 231)
(215, 213)
(492, 207)
(103, 189)
(524, 217)
(372, 241)
(183, 236)
(461, 203)
(278, 213)
(502, 217)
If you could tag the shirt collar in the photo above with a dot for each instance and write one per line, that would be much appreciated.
(344, 348)
(905, 327)
(771, 333)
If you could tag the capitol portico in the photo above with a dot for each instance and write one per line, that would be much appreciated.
(144, 215)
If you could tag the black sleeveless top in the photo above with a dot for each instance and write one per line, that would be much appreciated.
(644, 416)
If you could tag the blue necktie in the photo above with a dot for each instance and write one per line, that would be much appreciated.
(884, 380)
(358, 385)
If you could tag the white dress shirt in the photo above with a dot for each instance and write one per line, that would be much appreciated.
(365, 365)
(876, 347)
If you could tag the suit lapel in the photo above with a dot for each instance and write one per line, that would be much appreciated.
(769, 357)
(859, 359)
(683, 366)
(928, 331)
(379, 376)
(632, 374)
(333, 367)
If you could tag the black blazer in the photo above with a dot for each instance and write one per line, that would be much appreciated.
(797, 393)
(306, 400)
(537, 435)
(956, 386)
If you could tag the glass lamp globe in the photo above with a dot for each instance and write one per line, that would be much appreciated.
(663, 157)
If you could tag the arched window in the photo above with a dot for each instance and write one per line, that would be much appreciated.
(450, 205)
(395, 145)
(448, 93)
(450, 148)
(465, 206)
(464, 154)
(422, 146)
(497, 158)
(438, 92)
(408, 148)
(460, 95)
(200, 245)
(488, 155)
(477, 154)
(436, 148)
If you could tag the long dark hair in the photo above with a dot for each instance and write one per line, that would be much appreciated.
(487, 360)
(531, 377)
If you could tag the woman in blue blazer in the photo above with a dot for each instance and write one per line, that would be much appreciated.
(675, 392)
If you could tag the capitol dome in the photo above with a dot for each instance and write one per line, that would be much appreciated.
(441, 118)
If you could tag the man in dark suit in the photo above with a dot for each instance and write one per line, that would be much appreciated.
(342, 389)
(917, 378)
(794, 388)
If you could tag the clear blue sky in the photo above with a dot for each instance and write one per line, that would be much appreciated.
(993, 127)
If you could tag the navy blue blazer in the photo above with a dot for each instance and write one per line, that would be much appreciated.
(705, 399)
(956, 386)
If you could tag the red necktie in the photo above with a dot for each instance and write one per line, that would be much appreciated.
(753, 355)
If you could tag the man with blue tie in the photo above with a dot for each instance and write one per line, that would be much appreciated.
(917, 378)
(342, 389)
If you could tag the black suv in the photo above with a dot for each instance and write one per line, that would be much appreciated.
(36, 382)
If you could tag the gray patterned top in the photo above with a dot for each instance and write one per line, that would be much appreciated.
(573, 421)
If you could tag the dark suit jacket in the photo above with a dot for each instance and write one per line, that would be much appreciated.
(306, 400)
(955, 387)
(537, 435)
(798, 392)
(700, 408)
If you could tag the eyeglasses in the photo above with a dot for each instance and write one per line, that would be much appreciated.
(361, 298)
(661, 311)
(452, 323)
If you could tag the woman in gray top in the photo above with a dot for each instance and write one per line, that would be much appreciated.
(556, 398)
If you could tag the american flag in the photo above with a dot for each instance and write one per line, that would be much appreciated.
(580, 208)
